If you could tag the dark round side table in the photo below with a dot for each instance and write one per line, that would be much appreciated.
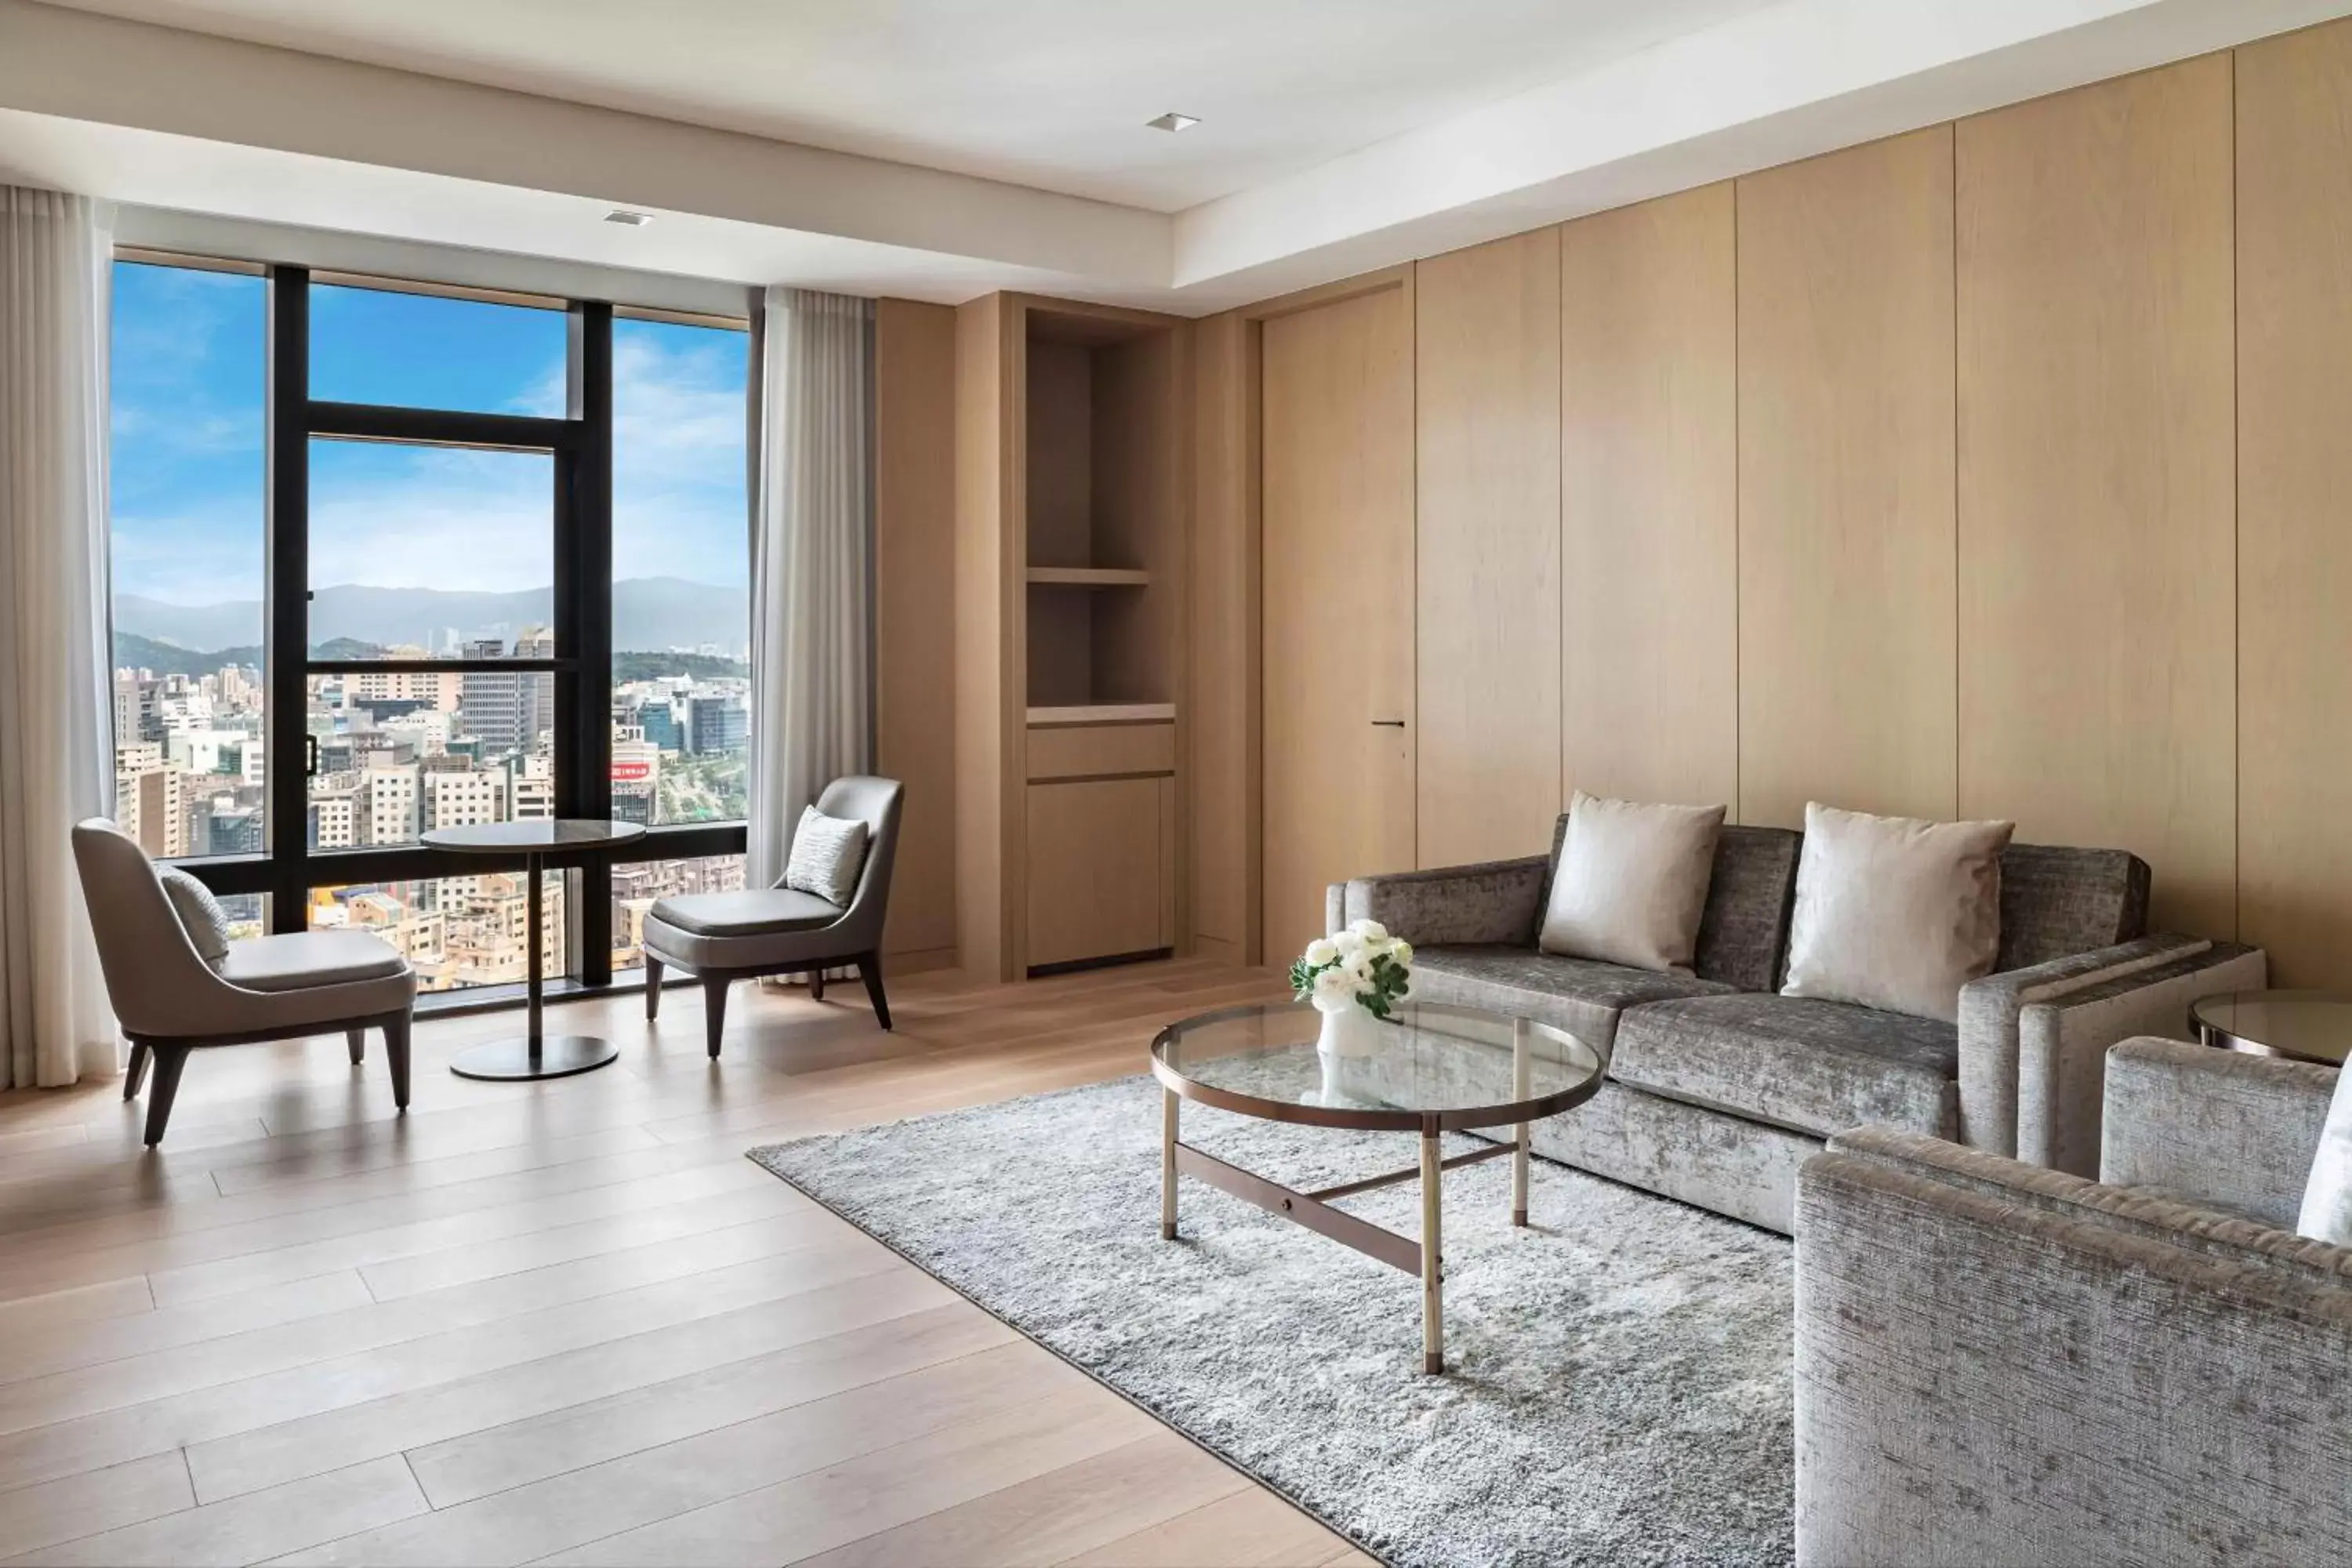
(2308, 1025)
(534, 1054)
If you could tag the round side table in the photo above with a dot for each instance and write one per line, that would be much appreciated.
(534, 1054)
(2307, 1025)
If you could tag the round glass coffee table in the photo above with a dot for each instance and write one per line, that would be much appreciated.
(1431, 1069)
(2308, 1025)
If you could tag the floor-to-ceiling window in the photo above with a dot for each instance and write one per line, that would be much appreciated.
(388, 558)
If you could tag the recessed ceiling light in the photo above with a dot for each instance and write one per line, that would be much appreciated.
(628, 219)
(1171, 120)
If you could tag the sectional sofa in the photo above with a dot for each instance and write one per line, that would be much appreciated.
(1719, 1088)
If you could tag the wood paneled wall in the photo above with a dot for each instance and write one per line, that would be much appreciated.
(1998, 470)
(914, 618)
(1649, 503)
(2097, 432)
(1486, 359)
(1846, 504)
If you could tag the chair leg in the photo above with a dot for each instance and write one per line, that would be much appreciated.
(396, 1054)
(653, 987)
(136, 1073)
(357, 1040)
(816, 986)
(714, 1011)
(869, 970)
(169, 1061)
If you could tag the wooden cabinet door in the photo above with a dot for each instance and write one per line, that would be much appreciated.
(1336, 513)
(1099, 882)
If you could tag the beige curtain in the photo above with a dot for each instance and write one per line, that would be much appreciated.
(56, 714)
(811, 573)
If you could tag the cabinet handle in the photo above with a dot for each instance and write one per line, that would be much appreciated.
(1388, 723)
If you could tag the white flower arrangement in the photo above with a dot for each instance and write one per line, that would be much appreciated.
(1362, 965)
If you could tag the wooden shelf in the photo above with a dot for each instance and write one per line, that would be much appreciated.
(1089, 577)
(1106, 713)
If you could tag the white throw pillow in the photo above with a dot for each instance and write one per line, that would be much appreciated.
(1894, 913)
(827, 854)
(200, 913)
(2326, 1213)
(1632, 882)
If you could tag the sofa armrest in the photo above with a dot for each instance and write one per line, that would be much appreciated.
(1982, 1378)
(2022, 1069)
(1494, 901)
(2225, 1128)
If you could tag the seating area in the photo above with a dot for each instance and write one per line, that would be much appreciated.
(1720, 1088)
(1261, 784)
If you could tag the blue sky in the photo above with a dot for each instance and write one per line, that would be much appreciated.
(188, 375)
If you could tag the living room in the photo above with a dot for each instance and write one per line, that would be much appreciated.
(1270, 784)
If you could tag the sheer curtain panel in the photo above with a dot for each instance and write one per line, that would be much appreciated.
(55, 707)
(810, 572)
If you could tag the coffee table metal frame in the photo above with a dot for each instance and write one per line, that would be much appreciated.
(1315, 1210)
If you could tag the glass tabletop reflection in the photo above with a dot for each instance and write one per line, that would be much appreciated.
(1431, 1063)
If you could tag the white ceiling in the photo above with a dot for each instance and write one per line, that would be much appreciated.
(940, 149)
(1049, 93)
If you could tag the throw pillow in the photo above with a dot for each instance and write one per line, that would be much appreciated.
(1632, 883)
(205, 921)
(1894, 913)
(827, 854)
(2327, 1214)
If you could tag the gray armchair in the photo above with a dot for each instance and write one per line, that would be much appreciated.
(170, 1002)
(724, 937)
(1999, 1364)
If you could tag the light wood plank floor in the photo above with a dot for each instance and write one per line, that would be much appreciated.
(568, 1321)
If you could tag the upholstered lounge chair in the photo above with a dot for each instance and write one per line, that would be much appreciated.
(170, 1002)
(724, 937)
(2001, 1364)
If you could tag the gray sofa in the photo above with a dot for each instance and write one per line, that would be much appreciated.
(1997, 1365)
(1719, 1088)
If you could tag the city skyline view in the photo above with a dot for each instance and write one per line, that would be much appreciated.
(420, 552)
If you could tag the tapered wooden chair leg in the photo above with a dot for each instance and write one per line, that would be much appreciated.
(714, 1011)
(357, 1040)
(396, 1054)
(653, 987)
(169, 1061)
(869, 970)
(136, 1073)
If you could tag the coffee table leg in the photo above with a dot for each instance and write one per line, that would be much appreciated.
(1433, 1258)
(1519, 1177)
(1168, 1103)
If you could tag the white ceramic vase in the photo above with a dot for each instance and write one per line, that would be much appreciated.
(1347, 1031)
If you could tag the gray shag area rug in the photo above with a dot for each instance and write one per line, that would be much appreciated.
(1619, 1381)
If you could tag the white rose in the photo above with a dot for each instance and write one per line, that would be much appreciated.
(1321, 952)
(1371, 931)
(1346, 943)
(1400, 953)
(1334, 989)
(1358, 965)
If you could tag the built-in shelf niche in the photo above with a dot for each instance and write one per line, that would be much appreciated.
(1102, 503)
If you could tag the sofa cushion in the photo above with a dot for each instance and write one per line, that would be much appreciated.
(1816, 1066)
(305, 960)
(1578, 995)
(2055, 902)
(1748, 894)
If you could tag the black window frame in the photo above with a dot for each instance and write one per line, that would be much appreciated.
(581, 444)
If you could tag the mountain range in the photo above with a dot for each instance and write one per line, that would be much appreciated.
(649, 614)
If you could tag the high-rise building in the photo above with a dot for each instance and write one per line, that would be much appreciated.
(659, 719)
(137, 708)
(149, 806)
(531, 785)
(716, 724)
(233, 830)
(508, 711)
(392, 805)
(465, 798)
(337, 817)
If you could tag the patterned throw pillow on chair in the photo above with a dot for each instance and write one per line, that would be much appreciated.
(827, 854)
(199, 912)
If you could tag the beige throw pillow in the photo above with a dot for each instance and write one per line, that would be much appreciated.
(1632, 882)
(1895, 912)
(827, 854)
